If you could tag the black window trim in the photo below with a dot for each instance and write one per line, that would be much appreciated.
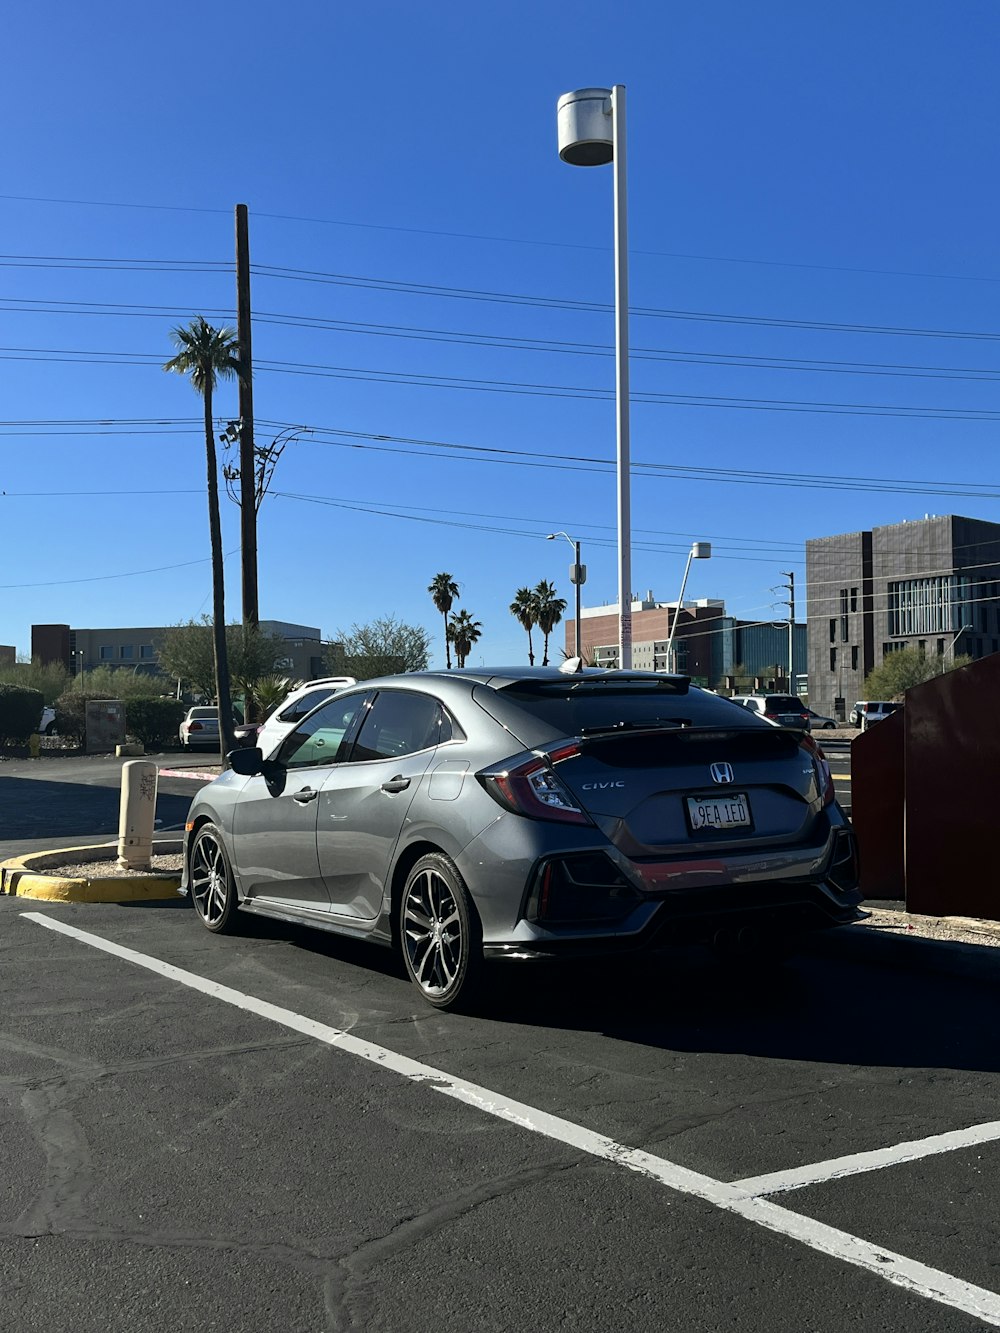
(394, 759)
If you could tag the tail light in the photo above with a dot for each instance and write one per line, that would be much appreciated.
(823, 775)
(195, 726)
(534, 790)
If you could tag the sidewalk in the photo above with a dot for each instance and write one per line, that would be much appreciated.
(202, 773)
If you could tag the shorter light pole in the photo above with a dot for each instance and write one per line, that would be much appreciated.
(951, 646)
(578, 577)
(698, 551)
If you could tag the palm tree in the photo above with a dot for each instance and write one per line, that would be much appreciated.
(444, 590)
(548, 612)
(464, 632)
(205, 355)
(524, 609)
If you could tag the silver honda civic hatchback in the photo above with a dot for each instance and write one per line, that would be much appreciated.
(523, 813)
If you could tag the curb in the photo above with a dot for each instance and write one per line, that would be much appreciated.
(24, 877)
(199, 775)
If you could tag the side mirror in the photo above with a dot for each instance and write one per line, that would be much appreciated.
(247, 761)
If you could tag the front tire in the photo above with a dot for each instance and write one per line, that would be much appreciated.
(212, 887)
(440, 933)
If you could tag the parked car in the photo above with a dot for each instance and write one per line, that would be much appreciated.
(47, 723)
(200, 727)
(866, 712)
(474, 815)
(294, 707)
(817, 722)
(783, 709)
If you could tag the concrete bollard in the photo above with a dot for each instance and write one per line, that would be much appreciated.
(137, 814)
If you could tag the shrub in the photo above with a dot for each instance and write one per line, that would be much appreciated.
(155, 722)
(71, 715)
(20, 712)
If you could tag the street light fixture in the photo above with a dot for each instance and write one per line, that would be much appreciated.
(578, 577)
(951, 646)
(591, 124)
(698, 551)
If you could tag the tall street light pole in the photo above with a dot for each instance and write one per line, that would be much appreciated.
(591, 123)
(698, 551)
(578, 577)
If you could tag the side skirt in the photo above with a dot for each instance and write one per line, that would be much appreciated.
(376, 931)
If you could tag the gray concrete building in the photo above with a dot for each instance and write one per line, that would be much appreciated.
(932, 584)
(135, 649)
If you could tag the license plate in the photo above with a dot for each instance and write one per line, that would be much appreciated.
(714, 812)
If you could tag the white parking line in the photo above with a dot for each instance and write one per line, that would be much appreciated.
(798, 1177)
(912, 1276)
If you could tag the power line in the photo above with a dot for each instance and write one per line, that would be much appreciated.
(527, 388)
(598, 307)
(422, 447)
(511, 240)
(128, 574)
(285, 273)
(515, 343)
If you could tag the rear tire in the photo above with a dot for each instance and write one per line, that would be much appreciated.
(440, 934)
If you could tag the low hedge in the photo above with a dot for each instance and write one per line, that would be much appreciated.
(155, 722)
(20, 712)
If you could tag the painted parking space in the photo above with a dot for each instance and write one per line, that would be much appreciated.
(941, 1209)
(878, 1256)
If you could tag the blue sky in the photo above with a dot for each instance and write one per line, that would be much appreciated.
(813, 210)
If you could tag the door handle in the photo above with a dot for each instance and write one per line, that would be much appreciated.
(398, 783)
(306, 795)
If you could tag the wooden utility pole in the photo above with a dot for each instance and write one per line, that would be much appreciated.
(248, 461)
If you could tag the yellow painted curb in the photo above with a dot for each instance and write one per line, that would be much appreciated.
(23, 877)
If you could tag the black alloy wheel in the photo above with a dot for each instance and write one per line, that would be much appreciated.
(212, 888)
(440, 933)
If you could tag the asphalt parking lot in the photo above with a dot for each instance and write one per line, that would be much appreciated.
(272, 1130)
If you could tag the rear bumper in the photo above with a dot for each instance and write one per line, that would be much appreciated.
(698, 916)
(787, 892)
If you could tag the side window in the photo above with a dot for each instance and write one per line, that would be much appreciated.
(296, 712)
(398, 723)
(321, 738)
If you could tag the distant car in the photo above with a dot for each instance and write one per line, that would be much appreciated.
(467, 815)
(783, 709)
(200, 727)
(866, 712)
(290, 712)
(819, 723)
(47, 725)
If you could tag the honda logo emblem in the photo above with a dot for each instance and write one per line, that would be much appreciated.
(722, 772)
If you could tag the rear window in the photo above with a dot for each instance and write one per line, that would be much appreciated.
(537, 712)
(783, 703)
